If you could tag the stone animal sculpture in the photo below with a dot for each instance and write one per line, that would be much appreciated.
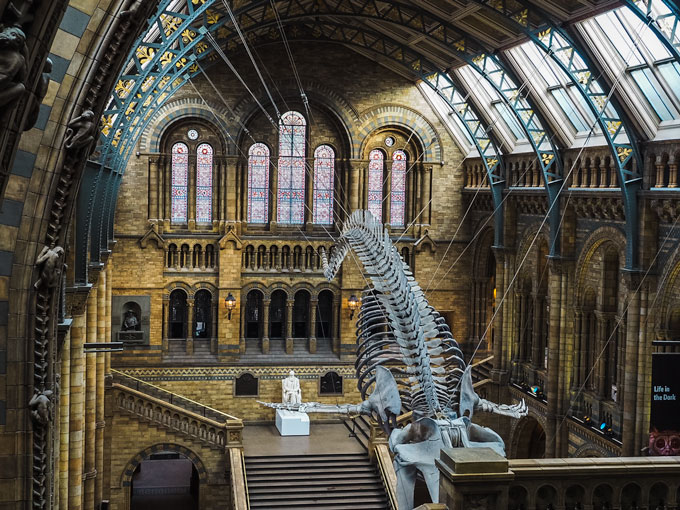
(407, 360)
(81, 130)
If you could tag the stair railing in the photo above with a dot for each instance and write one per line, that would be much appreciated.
(240, 499)
(170, 397)
(387, 473)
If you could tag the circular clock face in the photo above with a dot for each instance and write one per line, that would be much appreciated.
(192, 134)
(389, 141)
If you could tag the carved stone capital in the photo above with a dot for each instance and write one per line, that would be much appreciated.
(76, 299)
(94, 269)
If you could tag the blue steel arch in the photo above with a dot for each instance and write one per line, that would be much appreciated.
(416, 64)
(615, 127)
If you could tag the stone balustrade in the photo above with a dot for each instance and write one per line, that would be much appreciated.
(222, 434)
(480, 478)
(269, 256)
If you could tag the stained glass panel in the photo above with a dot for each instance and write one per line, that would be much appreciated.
(258, 183)
(291, 192)
(398, 191)
(324, 168)
(180, 182)
(375, 183)
(204, 171)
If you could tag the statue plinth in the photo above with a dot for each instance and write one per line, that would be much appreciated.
(292, 423)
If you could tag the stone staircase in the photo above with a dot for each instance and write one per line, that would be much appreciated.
(330, 482)
(173, 412)
(202, 355)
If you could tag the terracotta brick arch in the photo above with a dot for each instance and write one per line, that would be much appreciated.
(400, 116)
(601, 236)
(126, 476)
(166, 116)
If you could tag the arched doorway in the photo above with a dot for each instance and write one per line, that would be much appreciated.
(165, 480)
(529, 439)
(277, 314)
(253, 314)
(324, 315)
(202, 314)
(178, 314)
(301, 314)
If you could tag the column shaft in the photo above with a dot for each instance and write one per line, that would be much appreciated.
(90, 405)
(101, 366)
(289, 326)
(354, 186)
(76, 413)
(64, 408)
(153, 191)
(630, 374)
(553, 361)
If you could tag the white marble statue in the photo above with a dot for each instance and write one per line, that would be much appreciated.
(291, 389)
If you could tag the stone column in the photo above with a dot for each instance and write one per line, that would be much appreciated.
(603, 173)
(90, 471)
(166, 192)
(354, 178)
(498, 321)
(76, 411)
(672, 173)
(64, 408)
(191, 199)
(99, 391)
(335, 326)
(601, 339)
(266, 303)
(242, 336)
(165, 333)
(153, 188)
(160, 189)
(536, 332)
(659, 173)
(289, 326)
(107, 382)
(190, 327)
(578, 346)
(426, 180)
(312, 325)
(631, 362)
(554, 283)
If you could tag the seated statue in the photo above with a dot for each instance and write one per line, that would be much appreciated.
(130, 323)
(291, 389)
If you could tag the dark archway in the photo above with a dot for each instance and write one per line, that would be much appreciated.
(178, 314)
(203, 314)
(253, 314)
(324, 315)
(530, 439)
(165, 481)
(277, 314)
(301, 314)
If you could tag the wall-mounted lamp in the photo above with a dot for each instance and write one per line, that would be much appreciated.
(353, 304)
(230, 302)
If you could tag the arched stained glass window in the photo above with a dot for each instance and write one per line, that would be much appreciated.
(324, 168)
(398, 189)
(180, 182)
(375, 183)
(291, 192)
(258, 183)
(204, 171)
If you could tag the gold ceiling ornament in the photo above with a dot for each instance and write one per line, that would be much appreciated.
(145, 54)
(623, 153)
(613, 126)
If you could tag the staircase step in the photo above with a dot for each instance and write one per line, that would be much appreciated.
(255, 484)
(329, 482)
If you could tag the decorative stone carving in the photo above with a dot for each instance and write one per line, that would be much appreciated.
(13, 70)
(81, 130)
(291, 389)
(50, 266)
(131, 323)
(41, 408)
